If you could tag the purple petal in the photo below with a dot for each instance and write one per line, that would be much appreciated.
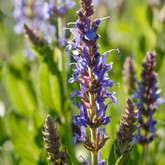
(113, 98)
(74, 93)
(104, 58)
(68, 48)
(76, 35)
(83, 134)
(71, 80)
(75, 138)
(106, 120)
(159, 101)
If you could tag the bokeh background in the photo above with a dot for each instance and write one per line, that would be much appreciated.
(134, 27)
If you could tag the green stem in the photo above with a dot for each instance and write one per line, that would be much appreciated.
(92, 116)
(59, 35)
(94, 159)
(145, 155)
(66, 113)
(94, 140)
(63, 60)
(145, 158)
(68, 132)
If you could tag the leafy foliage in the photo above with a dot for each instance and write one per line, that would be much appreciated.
(30, 89)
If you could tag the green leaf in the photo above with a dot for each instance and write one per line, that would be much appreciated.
(50, 84)
(112, 157)
(20, 91)
(116, 159)
(42, 52)
(68, 159)
(133, 162)
(123, 159)
(135, 156)
(50, 88)
(23, 139)
(44, 86)
(3, 133)
(43, 157)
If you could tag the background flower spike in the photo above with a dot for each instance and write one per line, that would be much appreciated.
(148, 100)
(129, 77)
(33, 36)
(127, 129)
(56, 157)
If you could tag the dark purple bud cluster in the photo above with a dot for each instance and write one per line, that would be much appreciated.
(126, 133)
(56, 157)
(149, 99)
(33, 37)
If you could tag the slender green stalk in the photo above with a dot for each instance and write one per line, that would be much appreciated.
(93, 130)
(145, 160)
(94, 159)
(67, 113)
(59, 35)
(64, 73)
(68, 130)
(61, 54)
(95, 152)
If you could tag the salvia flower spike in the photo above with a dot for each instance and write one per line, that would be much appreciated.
(56, 157)
(29, 12)
(33, 37)
(149, 99)
(55, 11)
(60, 8)
(92, 74)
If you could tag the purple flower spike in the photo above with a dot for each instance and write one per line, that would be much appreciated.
(52, 9)
(126, 135)
(149, 99)
(30, 13)
(52, 143)
(91, 72)
(40, 15)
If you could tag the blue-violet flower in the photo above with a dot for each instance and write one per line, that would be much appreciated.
(149, 99)
(28, 12)
(92, 74)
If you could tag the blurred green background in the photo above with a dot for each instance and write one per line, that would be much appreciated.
(134, 27)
